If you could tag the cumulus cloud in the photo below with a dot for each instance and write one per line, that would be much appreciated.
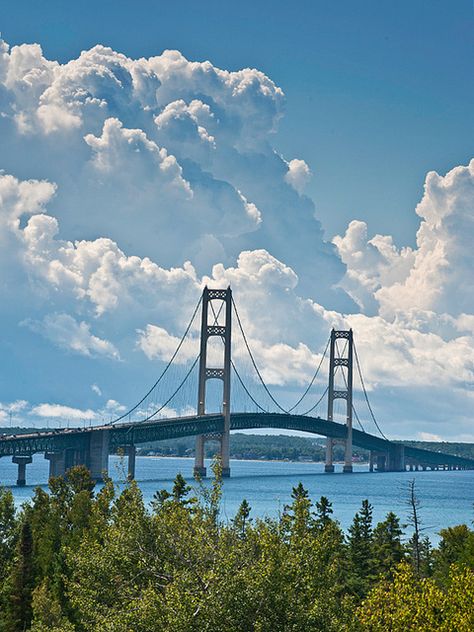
(371, 264)
(64, 331)
(63, 412)
(138, 147)
(436, 275)
(298, 174)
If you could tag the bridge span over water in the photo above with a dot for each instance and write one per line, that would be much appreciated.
(91, 446)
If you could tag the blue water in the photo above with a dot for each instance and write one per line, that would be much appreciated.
(446, 497)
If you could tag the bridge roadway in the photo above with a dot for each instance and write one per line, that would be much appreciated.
(91, 446)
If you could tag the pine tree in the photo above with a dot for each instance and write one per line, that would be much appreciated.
(7, 530)
(297, 519)
(242, 519)
(21, 582)
(360, 550)
(323, 512)
(387, 545)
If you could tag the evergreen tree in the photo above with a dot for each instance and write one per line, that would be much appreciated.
(360, 551)
(242, 519)
(323, 512)
(21, 582)
(8, 530)
(388, 550)
(297, 519)
(455, 547)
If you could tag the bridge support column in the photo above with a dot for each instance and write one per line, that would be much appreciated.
(329, 466)
(381, 460)
(206, 373)
(371, 461)
(340, 370)
(99, 453)
(131, 457)
(22, 462)
(56, 463)
(396, 458)
(199, 467)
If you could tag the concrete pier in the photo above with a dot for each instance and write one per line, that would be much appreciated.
(57, 465)
(199, 467)
(22, 462)
(132, 453)
(98, 461)
(329, 466)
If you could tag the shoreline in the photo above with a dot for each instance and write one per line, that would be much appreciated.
(171, 456)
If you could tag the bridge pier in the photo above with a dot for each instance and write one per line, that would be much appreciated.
(371, 461)
(131, 457)
(329, 466)
(22, 462)
(199, 467)
(56, 463)
(97, 458)
(381, 460)
(396, 458)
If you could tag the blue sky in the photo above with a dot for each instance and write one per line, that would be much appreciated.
(378, 92)
(331, 186)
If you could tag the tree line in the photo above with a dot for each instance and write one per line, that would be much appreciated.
(75, 559)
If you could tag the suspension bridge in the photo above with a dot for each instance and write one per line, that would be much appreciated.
(217, 357)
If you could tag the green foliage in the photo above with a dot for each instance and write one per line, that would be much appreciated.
(75, 561)
(411, 604)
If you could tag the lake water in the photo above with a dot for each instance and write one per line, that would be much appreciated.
(446, 497)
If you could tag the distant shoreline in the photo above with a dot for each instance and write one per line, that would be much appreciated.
(233, 458)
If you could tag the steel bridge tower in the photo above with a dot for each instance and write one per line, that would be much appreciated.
(340, 363)
(222, 373)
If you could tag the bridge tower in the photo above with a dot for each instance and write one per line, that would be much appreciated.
(222, 373)
(340, 366)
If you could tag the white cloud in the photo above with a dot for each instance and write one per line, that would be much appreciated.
(96, 389)
(14, 407)
(164, 156)
(298, 174)
(58, 411)
(428, 436)
(64, 331)
(436, 276)
(156, 342)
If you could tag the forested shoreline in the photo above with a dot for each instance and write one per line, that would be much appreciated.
(74, 558)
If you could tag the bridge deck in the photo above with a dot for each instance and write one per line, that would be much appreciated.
(138, 433)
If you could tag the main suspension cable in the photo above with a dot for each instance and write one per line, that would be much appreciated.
(158, 410)
(313, 378)
(317, 403)
(253, 361)
(357, 417)
(165, 370)
(246, 389)
(365, 393)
